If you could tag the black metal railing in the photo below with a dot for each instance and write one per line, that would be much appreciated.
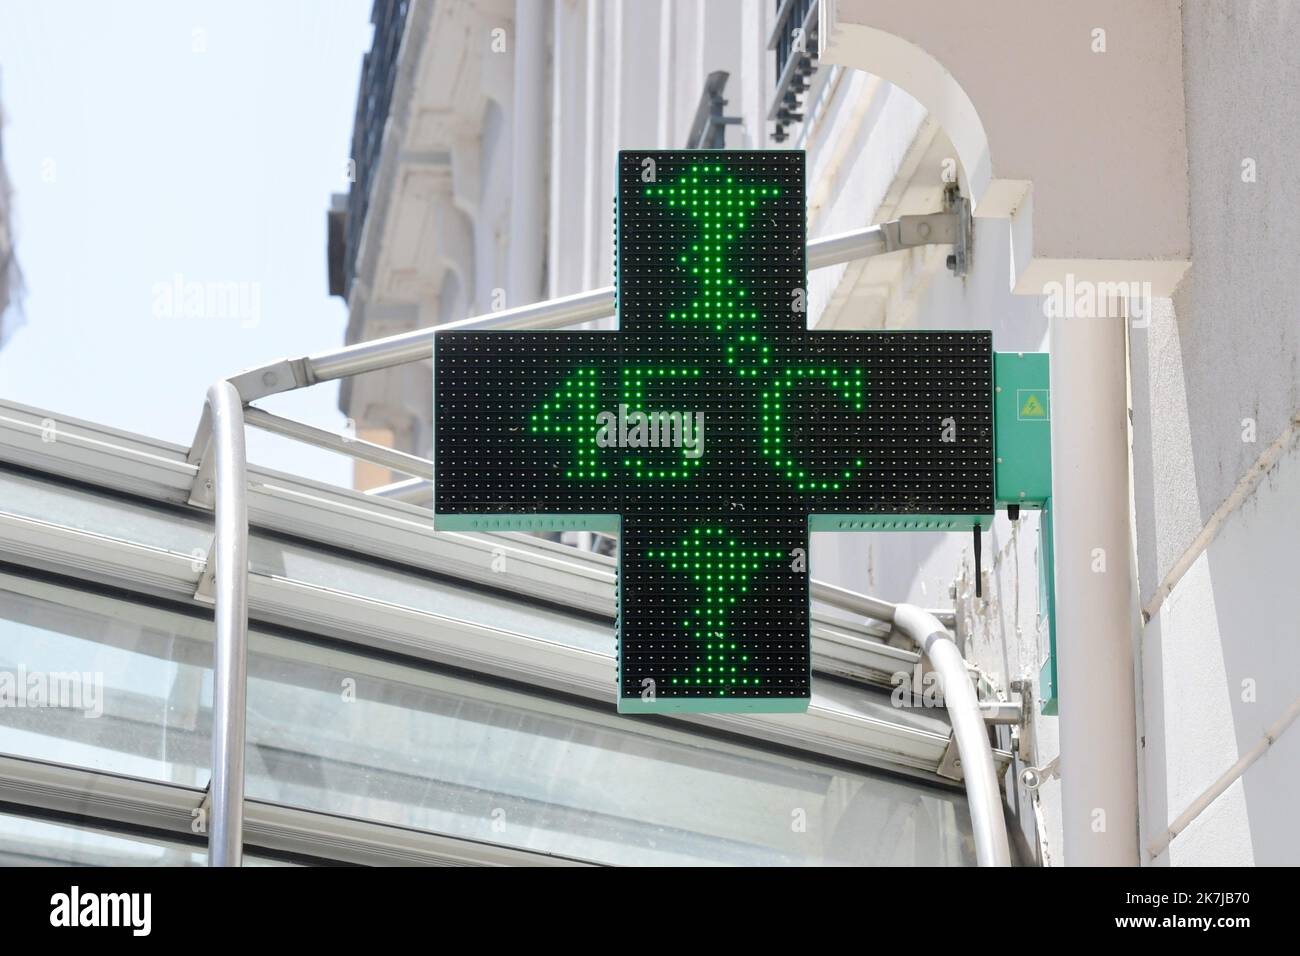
(378, 76)
(794, 40)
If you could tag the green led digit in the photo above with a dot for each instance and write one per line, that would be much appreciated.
(847, 384)
(571, 414)
(679, 431)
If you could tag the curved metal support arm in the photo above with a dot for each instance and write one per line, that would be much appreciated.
(230, 646)
(982, 793)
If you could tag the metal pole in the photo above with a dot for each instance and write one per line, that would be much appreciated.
(968, 716)
(414, 491)
(551, 314)
(229, 670)
(868, 606)
(285, 375)
(417, 345)
(982, 793)
(847, 246)
(355, 447)
(527, 206)
(595, 203)
(1004, 712)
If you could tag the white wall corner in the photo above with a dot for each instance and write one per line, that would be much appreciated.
(1066, 118)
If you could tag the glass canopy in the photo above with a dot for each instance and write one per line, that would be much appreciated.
(398, 712)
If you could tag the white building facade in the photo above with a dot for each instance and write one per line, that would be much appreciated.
(1111, 168)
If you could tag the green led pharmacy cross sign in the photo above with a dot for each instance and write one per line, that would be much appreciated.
(712, 432)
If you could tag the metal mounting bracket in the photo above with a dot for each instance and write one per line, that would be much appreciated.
(205, 591)
(1035, 777)
(950, 762)
(951, 226)
(1006, 713)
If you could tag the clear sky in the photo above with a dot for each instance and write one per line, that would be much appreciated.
(151, 144)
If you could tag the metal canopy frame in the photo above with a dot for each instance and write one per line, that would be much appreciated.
(218, 455)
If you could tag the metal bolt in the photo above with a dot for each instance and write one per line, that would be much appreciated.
(924, 230)
(269, 379)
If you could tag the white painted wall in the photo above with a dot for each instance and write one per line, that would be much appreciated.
(1224, 349)
(1000, 76)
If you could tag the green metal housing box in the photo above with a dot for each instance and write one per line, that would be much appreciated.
(1022, 415)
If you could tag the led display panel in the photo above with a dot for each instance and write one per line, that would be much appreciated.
(712, 431)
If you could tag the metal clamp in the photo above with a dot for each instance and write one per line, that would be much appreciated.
(951, 226)
(1035, 777)
(1004, 712)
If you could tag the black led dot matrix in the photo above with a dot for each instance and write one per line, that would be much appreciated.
(713, 432)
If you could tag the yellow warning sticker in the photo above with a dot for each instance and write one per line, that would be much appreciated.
(1032, 404)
